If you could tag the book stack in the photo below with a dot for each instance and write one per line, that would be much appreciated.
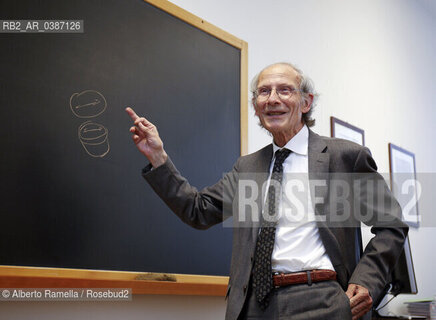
(419, 308)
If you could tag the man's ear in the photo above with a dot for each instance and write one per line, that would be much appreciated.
(307, 103)
(253, 102)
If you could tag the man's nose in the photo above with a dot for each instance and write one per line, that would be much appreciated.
(273, 97)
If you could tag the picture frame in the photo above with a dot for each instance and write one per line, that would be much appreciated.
(402, 170)
(344, 130)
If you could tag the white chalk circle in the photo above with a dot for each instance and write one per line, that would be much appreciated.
(94, 138)
(87, 104)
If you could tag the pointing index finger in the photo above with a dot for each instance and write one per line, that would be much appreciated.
(131, 113)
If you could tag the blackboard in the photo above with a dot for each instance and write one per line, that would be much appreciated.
(72, 195)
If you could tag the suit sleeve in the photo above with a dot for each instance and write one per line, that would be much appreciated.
(199, 209)
(383, 213)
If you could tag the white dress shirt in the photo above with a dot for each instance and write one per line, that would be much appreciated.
(297, 245)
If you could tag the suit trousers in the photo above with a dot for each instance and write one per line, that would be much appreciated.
(321, 300)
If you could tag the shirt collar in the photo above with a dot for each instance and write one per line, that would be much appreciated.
(298, 144)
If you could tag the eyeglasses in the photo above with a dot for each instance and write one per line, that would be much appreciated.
(283, 92)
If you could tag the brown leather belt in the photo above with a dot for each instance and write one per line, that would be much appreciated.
(286, 279)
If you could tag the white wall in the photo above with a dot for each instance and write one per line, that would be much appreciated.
(372, 62)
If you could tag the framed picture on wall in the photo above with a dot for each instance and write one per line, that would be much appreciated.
(344, 130)
(403, 182)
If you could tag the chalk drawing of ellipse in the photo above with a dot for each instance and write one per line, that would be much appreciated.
(94, 138)
(87, 104)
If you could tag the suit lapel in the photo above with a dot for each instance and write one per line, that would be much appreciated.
(319, 162)
(261, 171)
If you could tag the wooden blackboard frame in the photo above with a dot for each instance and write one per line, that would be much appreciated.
(143, 282)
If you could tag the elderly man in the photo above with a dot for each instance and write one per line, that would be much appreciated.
(280, 271)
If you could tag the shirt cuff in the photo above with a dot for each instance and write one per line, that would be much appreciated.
(147, 169)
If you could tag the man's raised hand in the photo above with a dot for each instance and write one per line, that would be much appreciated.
(146, 139)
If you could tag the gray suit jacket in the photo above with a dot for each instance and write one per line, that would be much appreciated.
(328, 158)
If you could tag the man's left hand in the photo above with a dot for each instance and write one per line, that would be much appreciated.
(360, 300)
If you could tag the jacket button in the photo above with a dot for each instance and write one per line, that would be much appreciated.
(245, 289)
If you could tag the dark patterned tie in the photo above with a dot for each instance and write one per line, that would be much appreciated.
(262, 272)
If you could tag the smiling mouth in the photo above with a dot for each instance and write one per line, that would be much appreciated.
(275, 113)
